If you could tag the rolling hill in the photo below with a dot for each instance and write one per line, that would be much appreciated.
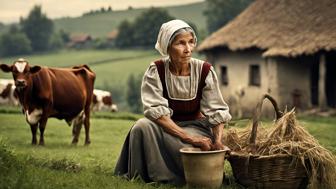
(100, 24)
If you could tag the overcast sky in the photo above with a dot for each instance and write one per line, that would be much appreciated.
(11, 10)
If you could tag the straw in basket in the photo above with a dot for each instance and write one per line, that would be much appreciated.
(280, 171)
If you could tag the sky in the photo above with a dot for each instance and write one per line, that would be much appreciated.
(12, 10)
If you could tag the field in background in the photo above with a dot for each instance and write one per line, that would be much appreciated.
(99, 25)
(111, 66)
(60, 165)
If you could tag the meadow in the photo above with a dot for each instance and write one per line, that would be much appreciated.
(59, 164)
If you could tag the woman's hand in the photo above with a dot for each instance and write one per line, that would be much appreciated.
(202, 142)
(218, 145)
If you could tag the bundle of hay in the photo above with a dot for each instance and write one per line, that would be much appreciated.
(290, 138)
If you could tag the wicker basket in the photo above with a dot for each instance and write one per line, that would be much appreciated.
(272, 171)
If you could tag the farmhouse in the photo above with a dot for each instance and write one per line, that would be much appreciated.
(111, 37)
(286, 48)
(80, 41)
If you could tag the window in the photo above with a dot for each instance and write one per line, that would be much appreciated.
(255, 75)
(224, 76)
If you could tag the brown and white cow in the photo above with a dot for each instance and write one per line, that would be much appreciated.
(53, 92)
(102, 100)
(7, 95)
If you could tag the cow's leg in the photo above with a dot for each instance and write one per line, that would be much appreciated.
(33, 129)
(87, 127)
(77, 126)
(43, 123)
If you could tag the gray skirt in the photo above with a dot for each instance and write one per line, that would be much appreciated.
(152, 154)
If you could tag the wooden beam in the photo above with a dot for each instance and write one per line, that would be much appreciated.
(321, 84)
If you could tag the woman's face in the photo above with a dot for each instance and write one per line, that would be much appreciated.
(181, 48)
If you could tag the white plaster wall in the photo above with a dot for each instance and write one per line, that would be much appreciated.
(237, 64)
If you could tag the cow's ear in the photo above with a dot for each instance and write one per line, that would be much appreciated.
(6, 68)
(35, 69)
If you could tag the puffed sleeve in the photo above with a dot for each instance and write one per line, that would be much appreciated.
(154, 104)
(212, 104)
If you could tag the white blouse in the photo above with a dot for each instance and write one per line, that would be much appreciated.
(183, 88)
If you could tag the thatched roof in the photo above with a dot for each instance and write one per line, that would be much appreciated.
(280, 27)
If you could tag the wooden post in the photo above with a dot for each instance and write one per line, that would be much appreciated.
(321, 84)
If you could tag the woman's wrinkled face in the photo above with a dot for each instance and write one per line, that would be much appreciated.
(181, 48)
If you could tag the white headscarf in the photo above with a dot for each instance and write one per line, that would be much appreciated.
(166, 31)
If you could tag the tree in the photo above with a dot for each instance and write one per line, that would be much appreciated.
(56, 41)
(125, 35)
(147, 26)
(14, 42)
(65, 36)
(38, 29)
(2, 25)
(220, 12)
(143, 31)
(134, 93)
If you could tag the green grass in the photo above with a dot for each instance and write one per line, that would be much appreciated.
(70, 57)
(26, 171)
(99, 115)
(324, 129)
(61, 165)
(73, 166)
(107, 135)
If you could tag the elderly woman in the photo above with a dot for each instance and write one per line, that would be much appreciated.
(183, 107)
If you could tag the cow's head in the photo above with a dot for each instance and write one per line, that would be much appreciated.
(21, 72)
